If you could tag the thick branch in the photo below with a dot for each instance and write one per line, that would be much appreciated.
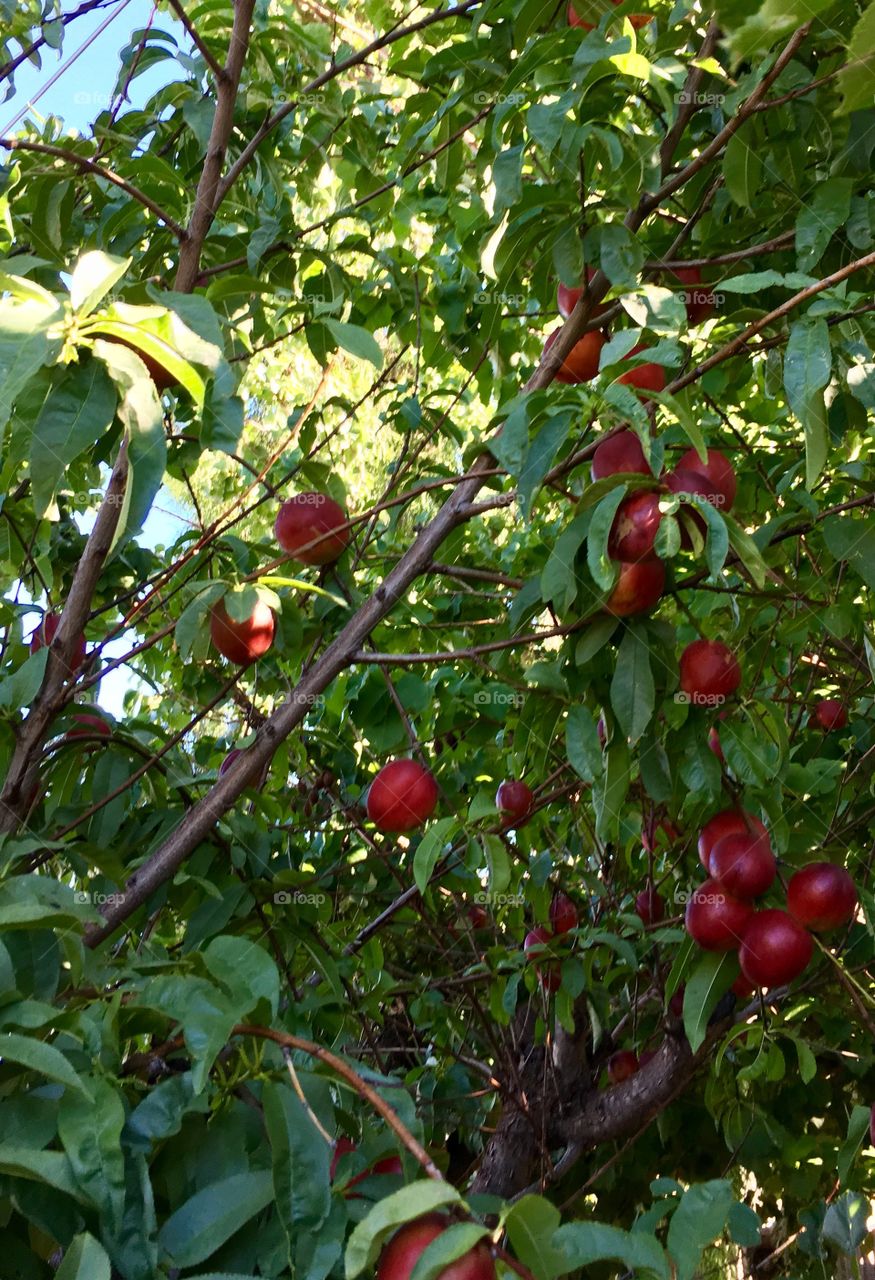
(209, 193)
(21, 776)
(166, 860)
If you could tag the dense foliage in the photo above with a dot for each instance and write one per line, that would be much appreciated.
(326, 259)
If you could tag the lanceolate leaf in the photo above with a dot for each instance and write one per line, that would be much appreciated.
(601, 567)
(79, 408)
(712, 976)
(202, 1225)
(806, 372)
(632, 688)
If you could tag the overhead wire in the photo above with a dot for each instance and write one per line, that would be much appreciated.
(65, 66)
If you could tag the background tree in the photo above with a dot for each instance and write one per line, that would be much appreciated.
(322, 268)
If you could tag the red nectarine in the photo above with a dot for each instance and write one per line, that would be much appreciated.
(774, 948)
(402, 796)
(242, 642)
(821, 896)
(310, 527)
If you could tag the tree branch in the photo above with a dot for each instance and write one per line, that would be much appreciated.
(210, 193)
(54, 692)
(355, 60)
(212, 62)
(362, 1088)
(163, 864)
(89, 166)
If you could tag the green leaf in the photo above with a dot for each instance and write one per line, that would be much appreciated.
(43, 1058)
(855, 78)
(357, 341)
(85, 1259)
(582, 1243)
(632, 690)
(559, 581)
(77, 411)
(610, 792)
(93, 276)
(206, 1014)
(497, 862)
(852, 539)
(90, 1128)
(602, 568)
(50, 1167)
(769, 24)
(845, 1222)
(531, 1224)
(300, 1156)
(200, 1226)
(582, 746)
(191, 622)
(698, 1220)
(594, 638)
(246, 969)
(807, 367)
(429, 849)
(20, 687)
(744, 1226)
(807, 1061)
(142, 417)
(711, 978)
(29, 338)
(858, 1129)
(507, 177)
(622, 255)
(746, 549)
(540, 457)
(823, 212)
(34, 899)
(389, 1213)
(743, 166)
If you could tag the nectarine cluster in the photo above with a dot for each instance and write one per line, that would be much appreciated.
(632, 539)
(563, 918)
(311, 528)
(773, 945)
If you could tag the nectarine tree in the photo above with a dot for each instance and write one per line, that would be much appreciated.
(436, 708)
